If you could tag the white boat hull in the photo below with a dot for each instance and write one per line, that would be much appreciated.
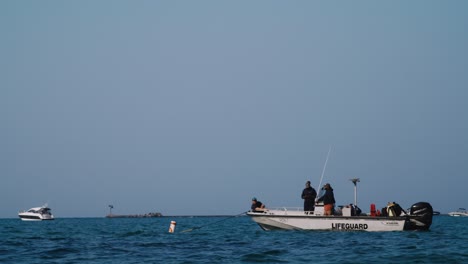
(35, 217)
(458, 214)
(32, 219)
(299, 220)
(276, 219)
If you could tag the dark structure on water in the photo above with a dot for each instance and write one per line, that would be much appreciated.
(148, 215)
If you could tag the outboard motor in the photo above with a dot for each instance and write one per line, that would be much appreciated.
(420, 217)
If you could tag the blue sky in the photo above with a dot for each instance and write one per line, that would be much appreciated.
(193, 107)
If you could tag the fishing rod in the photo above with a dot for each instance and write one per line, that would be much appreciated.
(198, 227)
(323, 170)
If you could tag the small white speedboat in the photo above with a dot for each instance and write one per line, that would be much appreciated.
(36, 214)
(459, 212)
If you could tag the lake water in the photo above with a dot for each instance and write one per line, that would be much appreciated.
(222, 240)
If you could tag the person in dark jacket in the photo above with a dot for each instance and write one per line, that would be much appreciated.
(328, 199)
(257, 206)
(309, 194)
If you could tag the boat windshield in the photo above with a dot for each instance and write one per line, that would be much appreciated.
(45, 211)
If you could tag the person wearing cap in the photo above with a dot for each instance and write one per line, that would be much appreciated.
(257, 206)
(328, 199)
(309, 194)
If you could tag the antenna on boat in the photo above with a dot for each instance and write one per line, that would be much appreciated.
(355, 181)
(323, 170)
(110, 209)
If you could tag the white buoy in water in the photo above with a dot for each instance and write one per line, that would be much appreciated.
(172, 227)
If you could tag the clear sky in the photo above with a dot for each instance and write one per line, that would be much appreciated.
(194, 107)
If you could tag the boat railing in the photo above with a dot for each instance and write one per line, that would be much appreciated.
(294, 210)
(283, 208)
(286, 210)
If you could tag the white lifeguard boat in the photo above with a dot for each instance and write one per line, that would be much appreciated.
(36, 214)
(296, 219)
(419, 218)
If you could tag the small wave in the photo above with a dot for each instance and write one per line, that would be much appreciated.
(35, 238)
(267, 256)
(58, 253)
(152, 245)
(132, 233)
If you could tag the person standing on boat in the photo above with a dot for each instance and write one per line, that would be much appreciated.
(257, 206)
(309, 194)
(328, 199)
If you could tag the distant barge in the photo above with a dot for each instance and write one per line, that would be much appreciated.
(148, 215)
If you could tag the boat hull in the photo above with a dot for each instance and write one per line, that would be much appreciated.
(35, 217)
(419, 218)
(458, 214)
(299, 221)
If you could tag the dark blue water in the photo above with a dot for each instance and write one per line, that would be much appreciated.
(222, 240)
